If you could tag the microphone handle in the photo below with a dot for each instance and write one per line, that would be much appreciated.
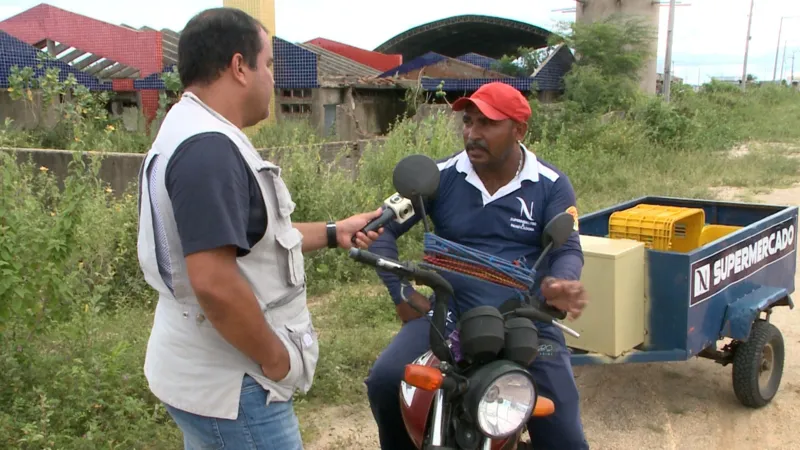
(386, 216)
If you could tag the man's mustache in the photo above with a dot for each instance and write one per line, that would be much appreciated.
(479, 144)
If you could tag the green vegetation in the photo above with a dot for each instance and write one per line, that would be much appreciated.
(523, 63)
(75, 313)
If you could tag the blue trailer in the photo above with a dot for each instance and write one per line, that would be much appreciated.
(723, 288)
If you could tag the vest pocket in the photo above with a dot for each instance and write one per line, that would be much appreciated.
(292, 242)
(286, 205)
(304, 337)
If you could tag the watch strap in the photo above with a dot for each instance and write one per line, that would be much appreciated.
(330, 228)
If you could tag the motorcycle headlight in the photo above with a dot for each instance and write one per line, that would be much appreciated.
(501, 398)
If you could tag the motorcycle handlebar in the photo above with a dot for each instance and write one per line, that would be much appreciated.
(442, 289)
(425, 277)
(555, 312)
(538, 314)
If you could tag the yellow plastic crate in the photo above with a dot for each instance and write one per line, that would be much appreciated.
(667, 228)
(713, 232)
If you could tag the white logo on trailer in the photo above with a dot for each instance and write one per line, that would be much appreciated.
(702, 280)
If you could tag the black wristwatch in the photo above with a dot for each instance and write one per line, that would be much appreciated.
(331, 230)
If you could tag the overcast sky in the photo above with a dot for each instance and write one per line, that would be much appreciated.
(709, 34)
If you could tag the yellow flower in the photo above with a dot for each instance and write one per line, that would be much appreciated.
(110, 128)
(85, 307)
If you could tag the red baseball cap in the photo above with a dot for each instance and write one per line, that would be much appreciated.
(497, 101)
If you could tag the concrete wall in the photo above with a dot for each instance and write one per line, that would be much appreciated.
(348, 114)
(593, 10)
(119, 170)
(375, 111)
(27, 114)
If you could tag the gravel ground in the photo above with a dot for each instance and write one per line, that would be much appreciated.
(684, 405)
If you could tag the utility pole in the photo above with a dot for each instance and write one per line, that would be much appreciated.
(747, 46)
(777, 51)
(783, 61)
(668, 58)
(778, 48)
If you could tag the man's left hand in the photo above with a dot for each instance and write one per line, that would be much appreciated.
(345, 229)
(566, 295)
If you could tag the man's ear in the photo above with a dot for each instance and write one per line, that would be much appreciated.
(238, 68)
(520, 130)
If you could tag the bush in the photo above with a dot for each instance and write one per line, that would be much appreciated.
(668, 124)
(62, 250)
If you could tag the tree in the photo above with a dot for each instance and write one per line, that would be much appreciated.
(609, 56)
(522, 64)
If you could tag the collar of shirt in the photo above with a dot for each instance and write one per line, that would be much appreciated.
(530, 171)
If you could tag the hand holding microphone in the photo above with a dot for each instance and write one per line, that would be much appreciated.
(395, 208)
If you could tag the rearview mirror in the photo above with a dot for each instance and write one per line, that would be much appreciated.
(415, 176)
(558, 230)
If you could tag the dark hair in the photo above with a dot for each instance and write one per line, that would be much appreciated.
(211, 38)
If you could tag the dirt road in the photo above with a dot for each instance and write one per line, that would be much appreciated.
(687, 405)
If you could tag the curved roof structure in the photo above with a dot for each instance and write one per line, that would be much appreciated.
(455, 36)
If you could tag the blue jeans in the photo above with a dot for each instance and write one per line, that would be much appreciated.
(258, 427)
(551, 370)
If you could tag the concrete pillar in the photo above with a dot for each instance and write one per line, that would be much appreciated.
(589, 11)
(264, 11)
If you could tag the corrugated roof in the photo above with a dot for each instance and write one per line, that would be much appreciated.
(330, 63)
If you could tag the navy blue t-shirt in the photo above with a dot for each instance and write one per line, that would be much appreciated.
(507, 224)
(215, 196)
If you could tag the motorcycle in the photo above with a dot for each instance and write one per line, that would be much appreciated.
(471, 390)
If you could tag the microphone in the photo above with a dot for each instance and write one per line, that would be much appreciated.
(396, 208)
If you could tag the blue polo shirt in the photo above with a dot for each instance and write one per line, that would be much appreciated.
(507, 224)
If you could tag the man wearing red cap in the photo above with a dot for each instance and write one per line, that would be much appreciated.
(494, 196)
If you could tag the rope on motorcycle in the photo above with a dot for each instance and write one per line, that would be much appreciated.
(474, 270)
(457, 258)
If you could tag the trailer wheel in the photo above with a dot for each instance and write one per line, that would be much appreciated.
(758, 365)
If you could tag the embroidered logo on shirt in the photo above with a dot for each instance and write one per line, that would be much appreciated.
(524, 211)
(525, 221)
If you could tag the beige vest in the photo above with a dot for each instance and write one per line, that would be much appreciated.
(188, 364)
